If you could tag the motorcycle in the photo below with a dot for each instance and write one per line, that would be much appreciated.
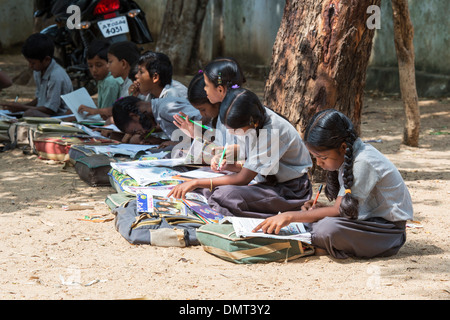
(113, 20)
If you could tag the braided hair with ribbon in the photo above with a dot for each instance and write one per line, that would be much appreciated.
(331, 129)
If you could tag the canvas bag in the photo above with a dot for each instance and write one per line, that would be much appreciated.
(18, 134)
(94, 169)
(4, 126)
(79, 151)
(221, 241)
(162, 230)
(57, 148)
(115, 200)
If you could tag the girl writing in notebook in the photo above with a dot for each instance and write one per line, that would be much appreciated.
(372, 202)
(276, 161)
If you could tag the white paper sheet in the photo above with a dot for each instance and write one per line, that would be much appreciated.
(244, 226)
(78, 97)
(202, 173)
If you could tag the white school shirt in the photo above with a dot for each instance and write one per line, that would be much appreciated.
(378, 185)
(124, 86)
(280, 151)
(165, 108)
(50, 86)
(175, 89)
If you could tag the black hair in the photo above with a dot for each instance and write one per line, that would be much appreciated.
(38, 46)
(225, 72)
(125, 50)
(329, 129)
(158, 62)
(133, 72)
(122, 109)
(197, 95)
(196, 91)
(98, 48)
(241, 108)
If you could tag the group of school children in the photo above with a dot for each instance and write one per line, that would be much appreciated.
(266, 160)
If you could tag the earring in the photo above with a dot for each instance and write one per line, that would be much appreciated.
(252, 122)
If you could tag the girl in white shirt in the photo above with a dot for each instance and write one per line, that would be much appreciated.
(372, 202)
(273, 176)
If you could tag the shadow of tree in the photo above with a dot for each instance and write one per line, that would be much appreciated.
(41, 187)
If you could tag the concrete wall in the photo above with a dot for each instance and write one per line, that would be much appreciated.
(431, 43)
(16, 21)
(246, 30)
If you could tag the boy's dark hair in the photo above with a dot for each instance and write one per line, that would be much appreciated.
(241, 108)
(38, 46)
(121, 113)
(125, 50)
(157, 62)
(329, 129)
(98, 48)
(225, 72)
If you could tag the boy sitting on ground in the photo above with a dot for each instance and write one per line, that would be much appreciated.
(108, 86)
(51, 80)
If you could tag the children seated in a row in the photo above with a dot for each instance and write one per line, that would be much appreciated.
(159, 84)
(112, 63)
(206, 92)
(51, 80)
(108, 86)
(372, 202)
(275, 158)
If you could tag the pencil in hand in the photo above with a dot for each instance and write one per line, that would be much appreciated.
(196, 123)
(317, 196)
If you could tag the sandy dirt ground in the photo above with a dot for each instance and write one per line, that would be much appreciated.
(46, 253)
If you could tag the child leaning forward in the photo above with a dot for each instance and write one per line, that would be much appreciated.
(276, 160)
(372, 202)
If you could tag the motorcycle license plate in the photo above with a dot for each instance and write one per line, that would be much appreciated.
(113, 27)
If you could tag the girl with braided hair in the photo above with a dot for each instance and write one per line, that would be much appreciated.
(371, 201)
(221, 75)
(273, 175)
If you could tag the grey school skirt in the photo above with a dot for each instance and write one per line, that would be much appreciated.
(259, 200)
(343, 238)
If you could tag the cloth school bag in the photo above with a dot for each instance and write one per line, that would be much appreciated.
(94, 169)
(221, 241)
(4, 126)
(164, 230)
(18, 134)
(115, 200)
(57, 148)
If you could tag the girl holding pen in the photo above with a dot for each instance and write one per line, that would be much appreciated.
(207, 91)
(372, 202)
(209, 111)
(274, 175)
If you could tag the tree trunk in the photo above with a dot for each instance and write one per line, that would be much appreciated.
(320, 58)
(180, 32)
(403, 37)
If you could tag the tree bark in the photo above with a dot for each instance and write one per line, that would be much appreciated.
(403, 38)
(180, 32)
(319, 60)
